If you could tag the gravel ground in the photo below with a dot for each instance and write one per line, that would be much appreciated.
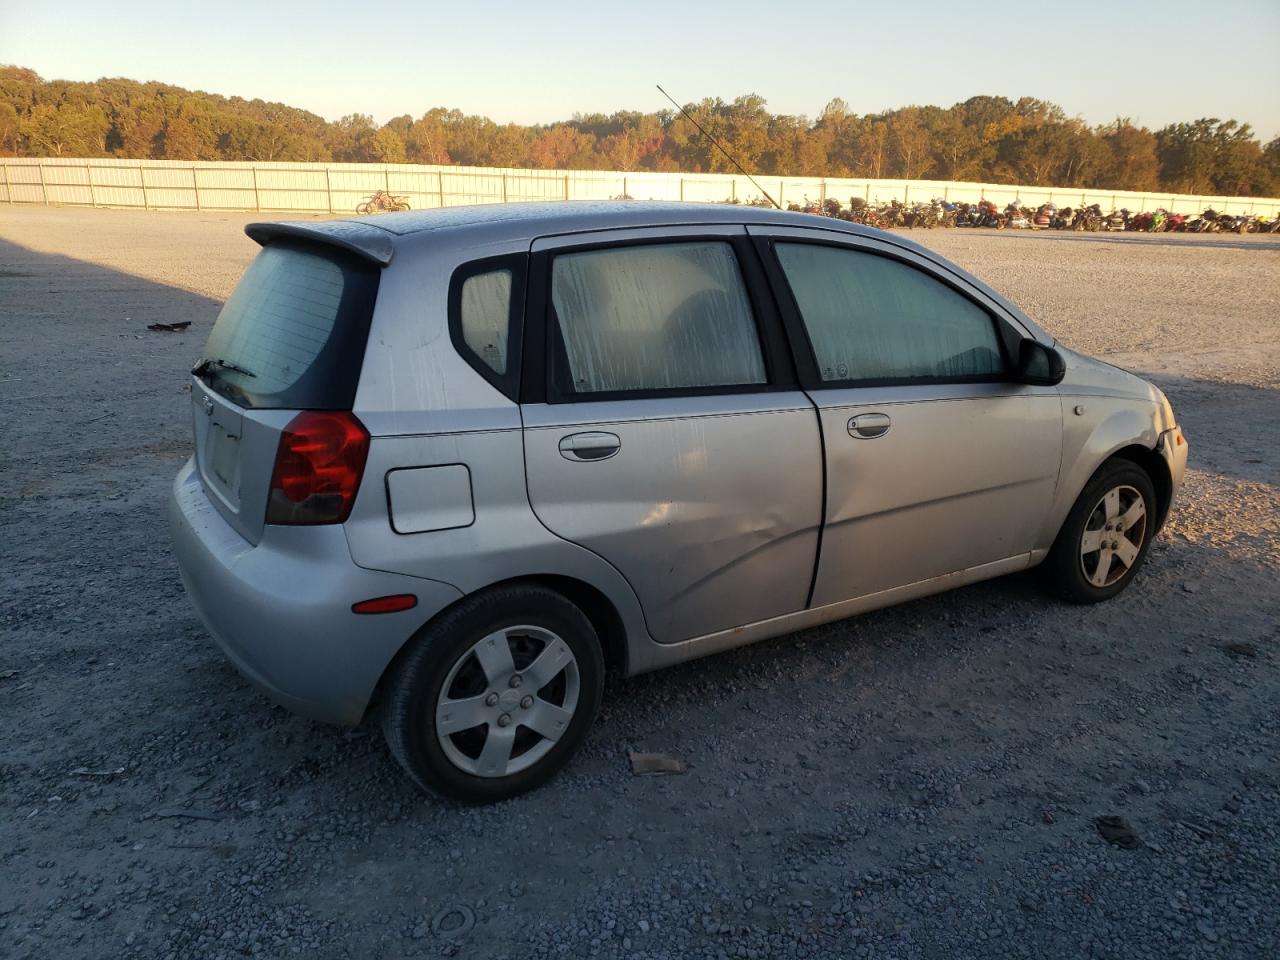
(921, 782)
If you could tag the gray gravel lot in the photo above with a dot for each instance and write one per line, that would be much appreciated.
(921, 782)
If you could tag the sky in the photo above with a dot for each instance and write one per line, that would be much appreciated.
(1154, 62)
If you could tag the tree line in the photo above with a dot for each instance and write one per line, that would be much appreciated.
(987, 139)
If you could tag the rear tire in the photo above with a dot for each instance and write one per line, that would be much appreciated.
(1105, 537)
(524, 644)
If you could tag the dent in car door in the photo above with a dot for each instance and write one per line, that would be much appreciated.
(710, 510)
(708, 503)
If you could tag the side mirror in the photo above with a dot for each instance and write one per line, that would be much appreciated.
(1039, 365)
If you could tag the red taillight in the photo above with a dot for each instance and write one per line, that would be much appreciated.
(318, 467)
(392, 604)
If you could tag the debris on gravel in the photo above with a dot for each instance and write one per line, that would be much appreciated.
(648, 763)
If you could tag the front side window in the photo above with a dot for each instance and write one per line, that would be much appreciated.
(651, 317)
(874, 318)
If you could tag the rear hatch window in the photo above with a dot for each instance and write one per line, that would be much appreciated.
(293, 333)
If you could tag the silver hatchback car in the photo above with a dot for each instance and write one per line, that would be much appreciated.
(459, 463)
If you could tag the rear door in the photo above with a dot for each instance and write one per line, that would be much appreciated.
(290, 337)
(937, 462)
(663, 426)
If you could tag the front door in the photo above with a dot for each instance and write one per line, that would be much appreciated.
(936, 461)
(670, 437)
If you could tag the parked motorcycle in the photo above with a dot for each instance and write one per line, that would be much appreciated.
(1015, 217)
(381, 201)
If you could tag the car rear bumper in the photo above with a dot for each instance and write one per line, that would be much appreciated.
(281, 610)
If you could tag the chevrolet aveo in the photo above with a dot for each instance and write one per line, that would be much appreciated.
(452, 466)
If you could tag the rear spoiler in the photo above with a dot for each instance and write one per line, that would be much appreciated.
(372, 243)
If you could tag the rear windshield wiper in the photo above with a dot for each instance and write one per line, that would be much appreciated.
(204, 365)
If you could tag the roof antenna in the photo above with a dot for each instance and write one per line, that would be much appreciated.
(729, 157)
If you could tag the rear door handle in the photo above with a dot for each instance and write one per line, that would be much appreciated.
(868, 426)
(583, 447)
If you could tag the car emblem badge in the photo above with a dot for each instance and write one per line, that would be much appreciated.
(208, 407)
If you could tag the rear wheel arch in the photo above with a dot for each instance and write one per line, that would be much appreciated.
(597, 607)
(484, 643)
(593, 603)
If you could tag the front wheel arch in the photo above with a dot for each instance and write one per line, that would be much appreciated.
(1155, 467)
(1062, 571)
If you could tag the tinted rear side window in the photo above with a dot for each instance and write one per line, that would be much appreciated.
(654, 317)
(485, 315)
(292, 334)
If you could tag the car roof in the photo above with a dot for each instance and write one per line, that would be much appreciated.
(561, 216)
(375, 237)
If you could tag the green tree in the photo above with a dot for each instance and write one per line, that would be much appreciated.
(955, 147)
(351, 138)
(67, 131)
(1271, 168)
(387, 146)
(1209, 156)
(1132, 162)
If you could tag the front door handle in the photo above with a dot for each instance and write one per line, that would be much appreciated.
(583, 447)
(868, 426)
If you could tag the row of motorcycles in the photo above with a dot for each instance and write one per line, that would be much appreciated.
(984, 213)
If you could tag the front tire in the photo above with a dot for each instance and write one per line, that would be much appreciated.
(1105, 537)
(492, 699)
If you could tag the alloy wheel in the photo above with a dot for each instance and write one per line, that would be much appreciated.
(1113, 536)
(507, 701)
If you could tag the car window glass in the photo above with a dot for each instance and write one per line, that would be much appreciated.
(292, 333)
(485, 316)
(875, 318)
(655, 317)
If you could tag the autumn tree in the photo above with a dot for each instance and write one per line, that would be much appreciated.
(178, 140)
(873, 148)
(425, 141)
(909, 142)
(983, 138)
(10, 129)
(557, 147)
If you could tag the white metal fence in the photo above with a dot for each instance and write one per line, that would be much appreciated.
(340, 187)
